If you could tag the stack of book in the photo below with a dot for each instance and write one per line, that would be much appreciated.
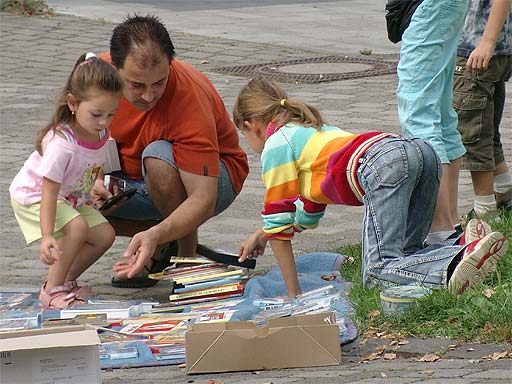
(203, 282)
(18, 311)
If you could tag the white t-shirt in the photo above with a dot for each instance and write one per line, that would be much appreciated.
(68, 161)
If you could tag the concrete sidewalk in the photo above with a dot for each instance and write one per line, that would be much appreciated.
(37, 55)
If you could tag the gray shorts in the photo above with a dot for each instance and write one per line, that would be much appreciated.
(478, 98)
(141, 207)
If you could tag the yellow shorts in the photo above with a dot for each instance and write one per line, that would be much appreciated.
(28, 218)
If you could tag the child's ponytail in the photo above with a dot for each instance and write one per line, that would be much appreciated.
(265, 100)
(88, 72)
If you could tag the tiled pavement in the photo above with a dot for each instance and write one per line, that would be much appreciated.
(36, 56)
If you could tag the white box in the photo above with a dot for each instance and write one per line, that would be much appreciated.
(59, 355)
(112, 163)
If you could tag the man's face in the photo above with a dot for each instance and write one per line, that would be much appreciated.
(143, 87)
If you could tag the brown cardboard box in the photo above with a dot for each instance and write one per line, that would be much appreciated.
(50, 355)
(297, 341)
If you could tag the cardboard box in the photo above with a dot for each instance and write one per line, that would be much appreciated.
(297, 341)
(112, 163)
(58, 355)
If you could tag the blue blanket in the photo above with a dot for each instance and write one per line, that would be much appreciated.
(311, 268)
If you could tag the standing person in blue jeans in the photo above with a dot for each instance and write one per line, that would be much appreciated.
(425, 85)
(484, 64)
(308, 164)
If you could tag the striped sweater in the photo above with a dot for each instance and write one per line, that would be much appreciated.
(304, 169)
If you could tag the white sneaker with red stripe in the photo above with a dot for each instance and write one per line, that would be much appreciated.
(475, 229)
(478, 262)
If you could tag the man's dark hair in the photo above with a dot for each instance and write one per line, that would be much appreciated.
(136, 32)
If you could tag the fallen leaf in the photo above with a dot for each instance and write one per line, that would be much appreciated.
(488, 292)
(428, 373)
(371, 357)
(381, 349)
(204, 62)
(428, 358)
(182, 365)
(381, 334)
(452, 347)
(496, 356)
(373, 314)
(452, 320)
(328, 277)
(403, 342)
(470, 349)
(389, 356)
(384, 376)
(394, 342)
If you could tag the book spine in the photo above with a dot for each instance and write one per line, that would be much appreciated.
(207, 284)
(204, 299)
(169, 274)
(201, 278)
(206, 292)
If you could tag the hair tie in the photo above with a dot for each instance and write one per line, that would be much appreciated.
(283, 102)
(88, 58)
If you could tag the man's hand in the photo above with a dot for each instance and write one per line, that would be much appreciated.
(253, 247)
(49, 250)
(139, 252)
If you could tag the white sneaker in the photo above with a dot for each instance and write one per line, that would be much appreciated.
(475, 229)
(478, 262)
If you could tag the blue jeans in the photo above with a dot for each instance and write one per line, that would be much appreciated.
(400, 178)
(141, 207)
(425, 76)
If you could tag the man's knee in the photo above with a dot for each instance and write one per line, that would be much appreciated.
(160, 176)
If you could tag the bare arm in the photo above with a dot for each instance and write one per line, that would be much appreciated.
(196, 209)
(482, 54)
(49, 248)
(284, 254)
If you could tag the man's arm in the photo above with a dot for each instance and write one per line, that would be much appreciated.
(196, 209)
(482, 54)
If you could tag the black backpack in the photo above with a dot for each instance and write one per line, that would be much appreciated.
(398, 17)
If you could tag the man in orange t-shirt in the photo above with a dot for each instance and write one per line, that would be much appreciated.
(177, 146)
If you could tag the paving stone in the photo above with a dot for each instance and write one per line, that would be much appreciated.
(37, 54)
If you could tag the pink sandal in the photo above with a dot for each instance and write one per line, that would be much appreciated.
(80, 290)
(58, 297)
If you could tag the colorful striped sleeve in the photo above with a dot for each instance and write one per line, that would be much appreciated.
(285, 212)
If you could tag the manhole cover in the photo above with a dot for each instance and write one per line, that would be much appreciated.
(315, 70)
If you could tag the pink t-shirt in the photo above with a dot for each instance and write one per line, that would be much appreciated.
(68, 161)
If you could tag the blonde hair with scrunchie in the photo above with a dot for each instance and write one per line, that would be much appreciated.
(266, 101)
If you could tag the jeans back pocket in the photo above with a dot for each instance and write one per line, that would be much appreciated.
(388, 164)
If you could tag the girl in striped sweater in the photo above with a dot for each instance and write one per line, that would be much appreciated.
(307, 164)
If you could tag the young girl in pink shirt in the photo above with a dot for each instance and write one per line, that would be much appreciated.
(50, 195)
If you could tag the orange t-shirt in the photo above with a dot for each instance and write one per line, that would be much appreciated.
(192, 116)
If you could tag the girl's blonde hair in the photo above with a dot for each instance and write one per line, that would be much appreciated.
(265, 100)
(87, 75)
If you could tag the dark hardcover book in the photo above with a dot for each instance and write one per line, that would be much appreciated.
(224, 257)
